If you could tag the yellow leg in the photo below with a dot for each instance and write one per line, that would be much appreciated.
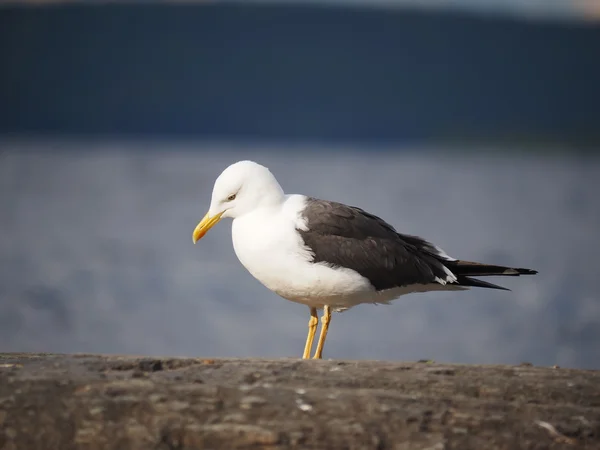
(325, 319)
(312, 329)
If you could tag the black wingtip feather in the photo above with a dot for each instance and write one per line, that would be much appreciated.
(526, 271)
(473, 282)
(475, 269)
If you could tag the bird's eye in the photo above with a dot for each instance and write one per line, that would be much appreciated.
(231, 197)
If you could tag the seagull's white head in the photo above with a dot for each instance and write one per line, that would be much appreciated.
(241, 188)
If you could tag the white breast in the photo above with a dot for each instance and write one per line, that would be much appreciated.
(268, 245)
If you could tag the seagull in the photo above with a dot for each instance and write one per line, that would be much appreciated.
(327, 255)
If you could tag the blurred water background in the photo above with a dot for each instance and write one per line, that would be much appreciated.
(476, 129)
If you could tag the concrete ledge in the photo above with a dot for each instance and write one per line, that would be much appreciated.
(53, 402)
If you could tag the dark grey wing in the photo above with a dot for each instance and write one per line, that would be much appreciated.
(347, 236)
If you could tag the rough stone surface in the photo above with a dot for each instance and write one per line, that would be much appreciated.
(94, 402)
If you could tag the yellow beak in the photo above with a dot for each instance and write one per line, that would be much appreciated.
(205, 224)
